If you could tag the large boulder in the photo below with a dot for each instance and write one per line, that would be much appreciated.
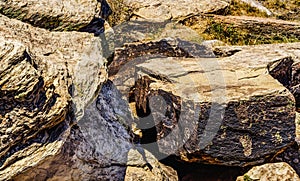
(55, 15)
(40, 73)
(100, 147)
(245, 89)
(206, 110)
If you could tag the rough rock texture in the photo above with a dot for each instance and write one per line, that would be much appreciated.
(248, 85)
(37, 81)
(121, 70)
(140, 169)
(272, 171)
(282, 61)
(145, 30)
(100, 147)
(292, 154)
(53, 15)
(213, 111)
(165, 10)
(246, 79)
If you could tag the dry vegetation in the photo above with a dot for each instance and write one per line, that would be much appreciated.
(233, 34)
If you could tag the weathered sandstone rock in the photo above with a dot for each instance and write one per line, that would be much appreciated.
(39, 75)
(271, 171)
(206, 110)
(122, 68)
(165, 10)
(53, 15)
(147, 30)
(99, 147)
(140, 171)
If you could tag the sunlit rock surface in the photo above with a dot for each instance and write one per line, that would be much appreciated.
(272, 172)
(39, 77)
(53, 15)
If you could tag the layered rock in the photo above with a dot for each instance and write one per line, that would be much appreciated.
(53, 15)
(165, 10)
(122, 68)
(99, 147)
(212, 111)
(271, 171)
(38, 78)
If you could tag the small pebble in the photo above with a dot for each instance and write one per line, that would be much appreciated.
(296, 160)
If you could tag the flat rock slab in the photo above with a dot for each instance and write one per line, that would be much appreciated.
(213, 111)
(164, 10)
(282, 60)
(53, 15)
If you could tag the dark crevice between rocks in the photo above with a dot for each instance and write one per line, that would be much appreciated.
(166, 48)
(186, 171)
(96, 26)
(221, 53)
(203, 172)
(281, 70)
(105, 9)
(288, 74)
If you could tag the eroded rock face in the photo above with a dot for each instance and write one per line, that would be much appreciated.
(164, 10)
(271, 171)
(139, 169)
(99, 147)
(212, 111)
(121, 70)
(53, 15)
(38, 80)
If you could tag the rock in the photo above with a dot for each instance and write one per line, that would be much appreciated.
(272, 172)
(282, 59)
(146, 170)
(99, 147)
(215, 112)
(292, 154)
(37, 75)
(54, 15)
(244, 65)
(258, 6)
(165, 10)
(145, 30)
(121, 70)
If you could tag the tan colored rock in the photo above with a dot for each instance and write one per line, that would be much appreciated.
(271, 171)
(53, 15)
(147, 30)
(147, 169)
(213, 111)
(99, 147)
(179, 85)
(165, 10)
(38, 70)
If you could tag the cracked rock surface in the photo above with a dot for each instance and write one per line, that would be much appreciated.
(53, 15)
